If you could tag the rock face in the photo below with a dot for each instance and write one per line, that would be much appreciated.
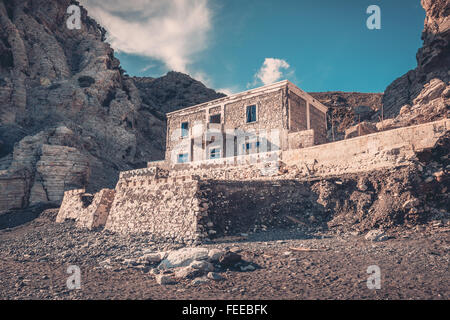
(172, 92)
(425, 89)
(346, 109)
(70, 117)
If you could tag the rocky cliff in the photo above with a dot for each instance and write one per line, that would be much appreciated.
(347, 109)
(69, 116)
(423, 94)
(172, 92)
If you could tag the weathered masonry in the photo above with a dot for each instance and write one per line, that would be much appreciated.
(201, 200)
(274, 117)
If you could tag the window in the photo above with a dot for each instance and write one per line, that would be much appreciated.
(214, 153)
(215, 118)
(250, 147)
(184, 129)
(183, 157)
(251, 113)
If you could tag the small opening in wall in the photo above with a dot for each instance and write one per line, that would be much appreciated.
(184, 129)
(251, 113)
(215, 118)
(183, 157)
(214, 153)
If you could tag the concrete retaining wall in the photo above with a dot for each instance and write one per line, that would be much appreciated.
(365, 153)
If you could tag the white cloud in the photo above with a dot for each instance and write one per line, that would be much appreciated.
(172, 31)
(271, 70)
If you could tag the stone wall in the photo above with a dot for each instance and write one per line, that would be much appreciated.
(297, 113)
(235, 207)
(318, 124)
(244, 167)
(165, 208)
(198, 200)
(301, 139)
(270, 113)
(71, 206)
(370, 152)
(89, 211)
(174, 138)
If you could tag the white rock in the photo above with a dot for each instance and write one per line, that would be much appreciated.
(154, 257)
(202, 265)
(183, 257)
(248, 268)
(214, 276)
(199, 280)
(164, 279)
(376, 235)
(187, 272)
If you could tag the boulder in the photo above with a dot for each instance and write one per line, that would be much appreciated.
(376, 236)
(164, 279)
(183, 257)
(188, 272)
(202, 265)
(215, 254)
(151, 258)
(214, 276)
(230, 259)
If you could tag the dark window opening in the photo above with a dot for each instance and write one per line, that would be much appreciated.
(214, 153)
(184, 129)
(251, 113)
(183, 157)
(214, 118)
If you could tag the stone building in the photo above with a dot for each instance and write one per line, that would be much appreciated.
(278, 116)
(243, 163)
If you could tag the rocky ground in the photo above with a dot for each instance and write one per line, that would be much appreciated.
(289, 264)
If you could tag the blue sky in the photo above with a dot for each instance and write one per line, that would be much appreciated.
(234, 45)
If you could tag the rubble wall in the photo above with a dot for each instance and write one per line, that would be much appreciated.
(227, 196)
(241, 207)
(71, 206)
(164, 208)
(89, 211)
(270, 112)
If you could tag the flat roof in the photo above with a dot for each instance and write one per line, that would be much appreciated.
(242, 94)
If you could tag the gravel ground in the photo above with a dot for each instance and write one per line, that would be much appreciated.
(414, 264)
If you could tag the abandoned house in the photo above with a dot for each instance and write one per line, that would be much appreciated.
(238, 164)
(274, 117)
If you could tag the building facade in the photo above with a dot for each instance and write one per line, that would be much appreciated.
(274, 117)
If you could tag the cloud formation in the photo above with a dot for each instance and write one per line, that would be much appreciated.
(171, 31)
(271, 70)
